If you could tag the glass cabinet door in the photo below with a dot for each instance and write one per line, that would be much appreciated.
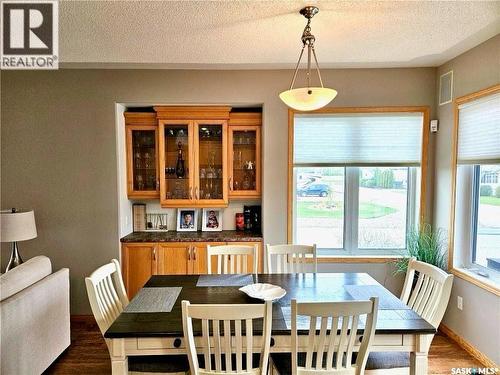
(176, 187)
(142, 162)
(244, 174)
(211, 166)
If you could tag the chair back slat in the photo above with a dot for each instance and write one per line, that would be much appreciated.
(227, 340)
(249, 338)
(106, 293)
(429, 295)
(232, 259)
(238, 345)
(206, 343)
(330, 351)
(290, 258)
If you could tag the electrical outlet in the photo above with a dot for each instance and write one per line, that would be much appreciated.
(460, 303)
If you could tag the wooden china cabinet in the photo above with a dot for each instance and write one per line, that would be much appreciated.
(193, 162)
(245, 167)
(142, 155)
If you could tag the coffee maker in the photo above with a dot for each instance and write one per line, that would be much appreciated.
(252, 216)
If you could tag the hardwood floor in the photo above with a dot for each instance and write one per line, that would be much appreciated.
(88, 353)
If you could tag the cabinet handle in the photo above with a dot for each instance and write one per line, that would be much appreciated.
(230, 181)
(189, 253)
(194, 253)
(154, 253)
(157, 184)
(191, 193)
(196, 192)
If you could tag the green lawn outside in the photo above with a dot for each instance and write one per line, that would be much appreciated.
(367, 211)
(494, 201)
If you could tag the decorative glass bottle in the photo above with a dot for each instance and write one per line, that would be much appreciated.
(179, 168)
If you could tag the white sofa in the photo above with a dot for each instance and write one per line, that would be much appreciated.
(34, 315)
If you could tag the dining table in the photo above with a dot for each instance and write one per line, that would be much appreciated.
(152, 322)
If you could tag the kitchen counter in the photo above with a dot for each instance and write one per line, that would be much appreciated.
(174, 236)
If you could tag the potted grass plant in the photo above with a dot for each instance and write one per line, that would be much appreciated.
(426, 245)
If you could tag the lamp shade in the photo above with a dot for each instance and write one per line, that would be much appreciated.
(308, 98)
(17, 226)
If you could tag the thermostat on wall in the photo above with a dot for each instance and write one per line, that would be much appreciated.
(434, 126)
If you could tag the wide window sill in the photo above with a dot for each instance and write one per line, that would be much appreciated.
(480, 281)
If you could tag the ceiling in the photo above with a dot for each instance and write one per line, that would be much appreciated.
(266, 34)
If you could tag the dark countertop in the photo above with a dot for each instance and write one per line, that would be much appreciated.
(174, 236)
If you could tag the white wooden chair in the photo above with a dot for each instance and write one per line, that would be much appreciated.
(108, 298)
(290, 258)
(233, 259)
(429, 298)
(225, 353)
(107, 295)
(330, 352)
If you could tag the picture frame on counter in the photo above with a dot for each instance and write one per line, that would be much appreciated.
(187, 220)
(211, 220)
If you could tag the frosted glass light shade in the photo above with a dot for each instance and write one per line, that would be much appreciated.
(17, 226)
(308, 98)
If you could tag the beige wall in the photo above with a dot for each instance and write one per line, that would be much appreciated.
(59, 147)
(479, 321)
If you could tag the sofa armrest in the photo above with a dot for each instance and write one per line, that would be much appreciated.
(35, 325)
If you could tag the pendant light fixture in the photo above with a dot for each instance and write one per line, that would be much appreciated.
(311, 97)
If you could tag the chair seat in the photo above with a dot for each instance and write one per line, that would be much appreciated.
(255, 361)
(283, 361)
(376, 361)
(158, 363)
(387, 360)
(176, 363)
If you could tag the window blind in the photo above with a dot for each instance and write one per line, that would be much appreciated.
(358, 139)
(479, 131)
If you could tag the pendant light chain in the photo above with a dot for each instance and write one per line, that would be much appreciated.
(297, 67)
(317, 66)
(309, 97)
(307, 39)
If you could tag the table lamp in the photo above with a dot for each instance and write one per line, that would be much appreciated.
(16, 225)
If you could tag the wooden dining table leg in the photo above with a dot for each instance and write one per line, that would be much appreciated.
(119, 361)
(419, 362)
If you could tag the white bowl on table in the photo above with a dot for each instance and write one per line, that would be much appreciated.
(265, 292)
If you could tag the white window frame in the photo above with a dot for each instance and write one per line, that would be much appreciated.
(461, 216)
(465, 245)
(351, 215)
(415, 212)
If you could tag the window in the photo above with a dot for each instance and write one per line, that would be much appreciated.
(355, 180)
(475, 243)
(486, 217)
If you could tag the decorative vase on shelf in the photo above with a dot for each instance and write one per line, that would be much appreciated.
(179, 168)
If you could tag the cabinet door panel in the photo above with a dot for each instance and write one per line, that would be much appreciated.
(137, 266)
(211, 187)
(176, 163)
(174, 259)
(142, 161)
(244, 162)
(200, 257)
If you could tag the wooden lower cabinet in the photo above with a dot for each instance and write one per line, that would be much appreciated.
(138, 264)
(142, 260)
(174, 258)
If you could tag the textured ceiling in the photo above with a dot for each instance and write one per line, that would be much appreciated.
(266, 34)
